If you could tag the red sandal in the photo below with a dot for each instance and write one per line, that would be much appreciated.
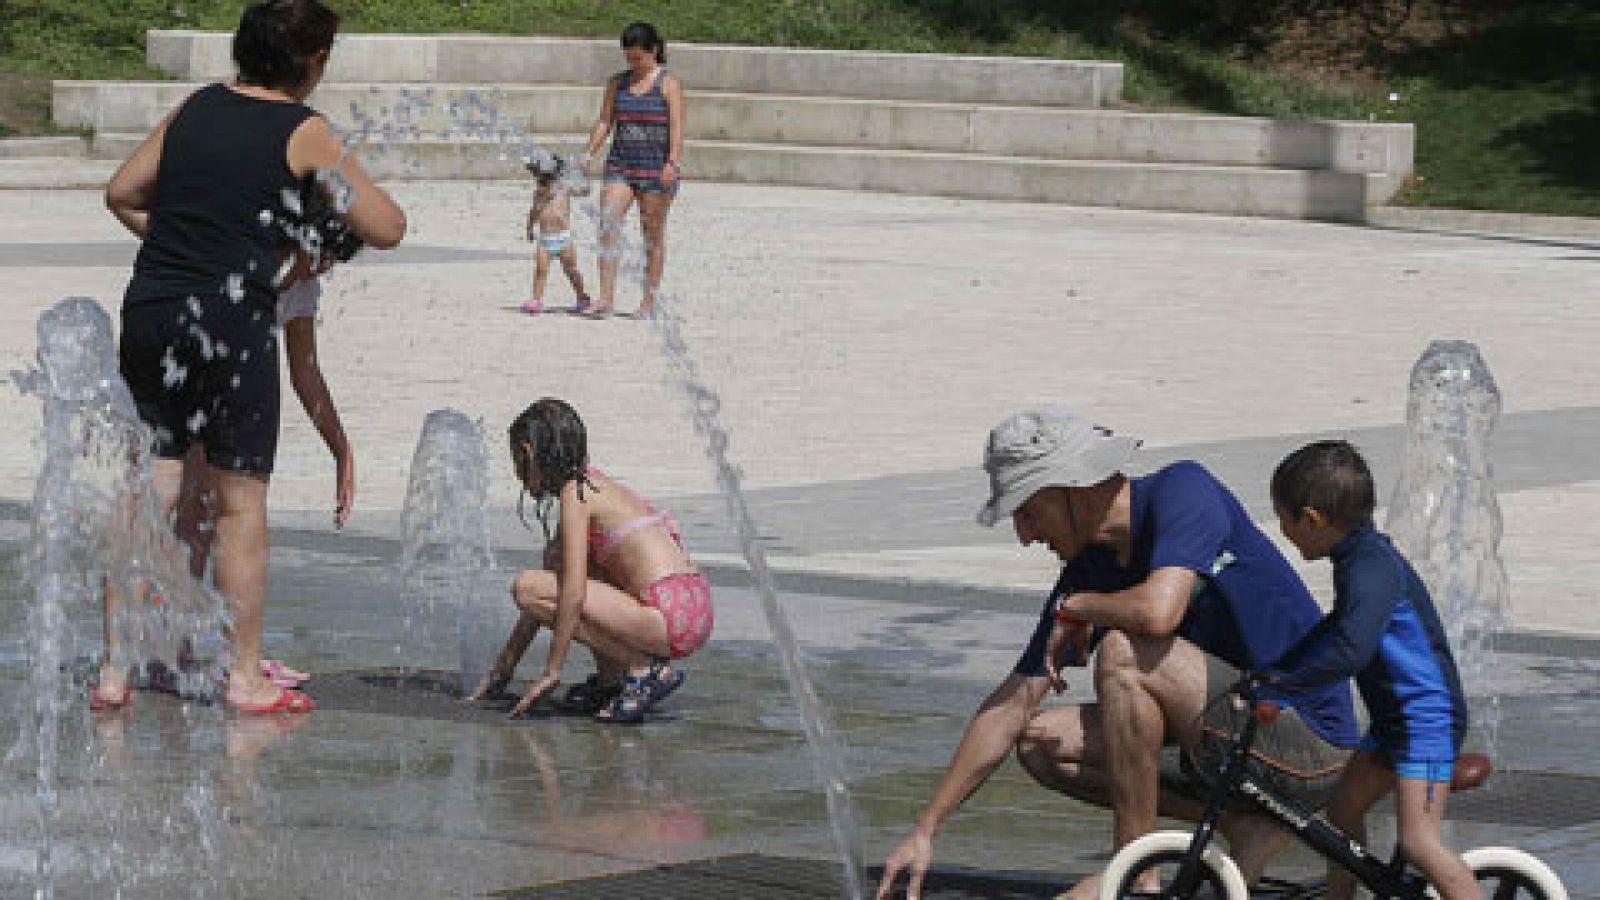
(287, 701)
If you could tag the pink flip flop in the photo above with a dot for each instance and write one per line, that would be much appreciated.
(281, 675)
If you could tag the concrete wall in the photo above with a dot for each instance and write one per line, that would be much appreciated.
(43, 147)
(1043, 133)
(469, 106)
(201, 56)
(1228, 190)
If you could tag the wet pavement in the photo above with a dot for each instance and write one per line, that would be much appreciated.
(851, 337)
(394, 788)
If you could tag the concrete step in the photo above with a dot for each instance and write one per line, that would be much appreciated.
(47, 173)
(57, 147)
(1177, 187)
(467, 58)
(1037, 132)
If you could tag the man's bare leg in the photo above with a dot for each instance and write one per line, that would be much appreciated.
(1152, 692)
(1064, 749)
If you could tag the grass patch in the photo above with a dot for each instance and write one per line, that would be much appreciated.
(1509, 118)
(1506, 113)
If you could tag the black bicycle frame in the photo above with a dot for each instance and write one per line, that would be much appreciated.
(1385, 879)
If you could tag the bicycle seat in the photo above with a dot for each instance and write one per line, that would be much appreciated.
(1472, 770)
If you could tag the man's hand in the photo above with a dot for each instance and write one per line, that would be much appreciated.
(1068, 646)
(913, 856)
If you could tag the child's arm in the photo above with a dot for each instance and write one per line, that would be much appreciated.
(306, 376)
(572, 581)
(541, 198)
(1346, 639)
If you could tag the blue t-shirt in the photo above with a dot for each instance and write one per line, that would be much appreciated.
(1249, 614)
(1385, 631)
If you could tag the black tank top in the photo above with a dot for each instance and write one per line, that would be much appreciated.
(213, 232)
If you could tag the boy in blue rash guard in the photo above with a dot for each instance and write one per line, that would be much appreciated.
(1384, 632)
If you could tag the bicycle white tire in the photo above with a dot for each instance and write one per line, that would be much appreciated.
(1170, 844)
(1524, 865)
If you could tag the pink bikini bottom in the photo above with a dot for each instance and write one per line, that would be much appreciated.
(685, 602)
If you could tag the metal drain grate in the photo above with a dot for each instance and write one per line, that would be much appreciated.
(751, 875)
(1539, 799)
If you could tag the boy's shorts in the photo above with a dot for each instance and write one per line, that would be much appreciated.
(1288, 753)
(1438, 771)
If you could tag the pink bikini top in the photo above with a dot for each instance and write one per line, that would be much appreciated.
(603, 543)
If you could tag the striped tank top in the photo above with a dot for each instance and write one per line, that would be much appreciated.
(639, 143)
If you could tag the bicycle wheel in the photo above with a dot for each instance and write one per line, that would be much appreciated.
(1159, 856)
(1504, 873)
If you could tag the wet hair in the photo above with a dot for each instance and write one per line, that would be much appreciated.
(277, 40)
(559, 447)
(643, 34)
(1329, 477)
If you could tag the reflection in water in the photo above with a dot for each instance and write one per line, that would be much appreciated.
(162, 810)
(628, 810)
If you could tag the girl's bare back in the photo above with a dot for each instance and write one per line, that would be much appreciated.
(645, 550)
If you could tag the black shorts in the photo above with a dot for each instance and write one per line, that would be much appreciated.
(205, 372)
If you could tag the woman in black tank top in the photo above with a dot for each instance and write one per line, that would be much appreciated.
(198, 348)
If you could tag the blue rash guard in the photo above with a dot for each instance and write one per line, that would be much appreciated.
(1385, 632)
(1248, 614)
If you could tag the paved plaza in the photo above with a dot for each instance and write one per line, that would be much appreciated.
(862, 346)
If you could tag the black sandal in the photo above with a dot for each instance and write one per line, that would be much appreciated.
(591, 696)
(640, 694)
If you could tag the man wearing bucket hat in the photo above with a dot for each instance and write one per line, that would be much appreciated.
(1178, 589)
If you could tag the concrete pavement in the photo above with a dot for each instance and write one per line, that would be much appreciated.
(863, 345)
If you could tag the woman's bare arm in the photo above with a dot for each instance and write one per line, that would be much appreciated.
(132, 190)
(602, 125)
(373, 214)
(673, 92)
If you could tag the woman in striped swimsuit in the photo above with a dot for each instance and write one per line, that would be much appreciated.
(645, 107)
